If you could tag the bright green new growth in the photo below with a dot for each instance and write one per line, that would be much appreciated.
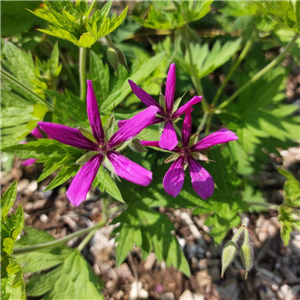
(173, 14)
(12, 283)
(73, 23)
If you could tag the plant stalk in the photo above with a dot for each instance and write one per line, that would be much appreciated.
(195, 80)
(82, 72)
(272, 64)
(232, 70)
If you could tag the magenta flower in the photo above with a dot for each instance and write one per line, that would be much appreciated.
(122, 166)
(168, 113)
(189, 154)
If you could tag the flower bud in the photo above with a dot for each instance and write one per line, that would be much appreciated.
(112, 57)
(115, 56)
(228, 255)
(247, 253)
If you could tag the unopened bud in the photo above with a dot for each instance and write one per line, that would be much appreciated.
(247, 253)
(115, 56)
(112, 57)
(228, 255)
(136, 146)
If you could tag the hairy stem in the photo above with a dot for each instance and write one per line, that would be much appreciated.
(267, 68)
(263, 204)
(82, 72)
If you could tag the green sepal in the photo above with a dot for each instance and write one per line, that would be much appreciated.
(199, 156)
(85, 157)
(162, 101)
(172, 157)
(161, 127)
(194, 139)
(110, 168)
(136, 146)
(109, 127)
(88, 134)
(177, 102)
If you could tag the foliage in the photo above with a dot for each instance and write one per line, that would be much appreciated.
(12, 283)
(74, 23)
(67, 263)
(173, 14)
(288, 217)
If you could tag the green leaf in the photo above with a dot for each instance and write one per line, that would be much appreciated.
(8, 199)
(291, 189)
(148, 229)
(12, 283)
(74, 269)
(63, 175)
(106, 184)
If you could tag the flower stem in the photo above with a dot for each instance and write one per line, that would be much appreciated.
(272, 64)
(232, 70)
(82, 72)
(59, 241)
(195, 80)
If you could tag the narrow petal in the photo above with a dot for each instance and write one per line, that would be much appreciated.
(181, 110)
(67, 135)
(93, 113)
(155, 121)
(150, 143)
(142, 95)
(202, 182)
(174, 178)
(83, 180)
(29, 162)
(187, 127)
(168, 139)
(170, 88)
(219, 137)
(133, 126)
(129, 170)
(37, 133)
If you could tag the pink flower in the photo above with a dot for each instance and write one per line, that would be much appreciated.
(168, 113)
(189, 154)
(122, 166)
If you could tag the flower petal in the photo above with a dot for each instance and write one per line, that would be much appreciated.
(142, 95)
(83, 180)
(67, 135)
(29, 162)
(168, 139)
(174, 178)
(37, 133)
(219, 137)
(181, 110)
(134, 126)
(170, 88)
(155, 121)
(150, 143)
(187, 127)
(129, 170)
(202, 182)
(93, 113)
